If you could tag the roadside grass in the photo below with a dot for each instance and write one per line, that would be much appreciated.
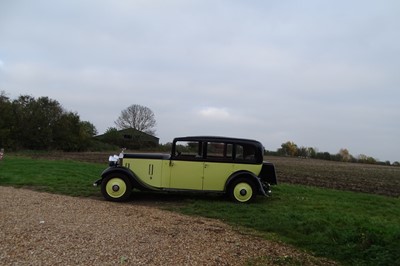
(348, 227)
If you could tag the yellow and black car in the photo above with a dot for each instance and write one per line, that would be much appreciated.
(200, 163)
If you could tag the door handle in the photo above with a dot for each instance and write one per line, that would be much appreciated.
(151, 169)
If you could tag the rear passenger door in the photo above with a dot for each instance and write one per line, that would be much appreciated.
(218, 165)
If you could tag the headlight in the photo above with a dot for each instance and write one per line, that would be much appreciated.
(113, 160)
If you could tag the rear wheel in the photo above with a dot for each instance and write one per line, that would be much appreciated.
(116, 187)
(242, 190)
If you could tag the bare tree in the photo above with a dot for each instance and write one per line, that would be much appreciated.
(138, 117)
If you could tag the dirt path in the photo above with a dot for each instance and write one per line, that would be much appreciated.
(46, 229)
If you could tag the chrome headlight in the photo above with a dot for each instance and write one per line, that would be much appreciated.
(113, 160)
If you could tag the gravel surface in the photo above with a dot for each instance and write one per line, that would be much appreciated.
(46, 229)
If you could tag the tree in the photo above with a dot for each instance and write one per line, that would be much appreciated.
(288, 148)
(6, 120)
(137, 117)
(344, 155)
(41, 124)
(312, 152)
(303, 152)
(112, 136)
(88, 129)
(362, 158)
(72, 134)
(34, 121)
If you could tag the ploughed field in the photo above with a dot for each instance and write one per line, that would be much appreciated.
(367, 178)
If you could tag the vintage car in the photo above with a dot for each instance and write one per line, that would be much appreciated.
(202, 164)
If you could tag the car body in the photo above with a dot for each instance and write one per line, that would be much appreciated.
(198, 163)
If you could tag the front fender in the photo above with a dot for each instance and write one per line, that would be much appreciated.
(136, 182)
(120, 169)
(252, 177)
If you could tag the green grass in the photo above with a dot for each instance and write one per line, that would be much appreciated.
(351, 228)
(61, 177)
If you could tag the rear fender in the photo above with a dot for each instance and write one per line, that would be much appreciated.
(249, 175)
(268, 173)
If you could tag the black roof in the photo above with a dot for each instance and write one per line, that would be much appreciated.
(219, 138)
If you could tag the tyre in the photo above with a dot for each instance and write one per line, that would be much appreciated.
(116, 187)
(242, 190)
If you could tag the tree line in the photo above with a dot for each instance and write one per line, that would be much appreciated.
(291, 149)
(29, 123)
(41, 124)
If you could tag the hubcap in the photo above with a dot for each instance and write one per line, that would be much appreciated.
(116, 187)
(243, 192)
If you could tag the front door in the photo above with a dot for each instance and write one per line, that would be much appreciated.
(186, 174)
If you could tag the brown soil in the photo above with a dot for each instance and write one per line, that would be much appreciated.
(358, 177)
(46, 229)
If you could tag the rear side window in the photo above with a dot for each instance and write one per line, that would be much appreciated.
(219, 151)
(245, 153)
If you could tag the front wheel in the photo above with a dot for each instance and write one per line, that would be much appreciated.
(242, 190)
(116, 187)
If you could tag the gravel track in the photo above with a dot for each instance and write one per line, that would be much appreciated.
(46, 229)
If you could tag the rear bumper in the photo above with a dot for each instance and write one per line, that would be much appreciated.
(267, 189)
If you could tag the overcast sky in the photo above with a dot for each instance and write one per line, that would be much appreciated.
(322, 74)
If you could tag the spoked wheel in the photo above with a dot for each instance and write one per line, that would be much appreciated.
(116, 187)
(242, 190)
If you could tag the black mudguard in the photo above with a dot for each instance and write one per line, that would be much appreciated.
(268, 174)
(252, 177)
(136, 182)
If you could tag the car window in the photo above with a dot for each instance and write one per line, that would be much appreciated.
(245, 153)
(219, 151)
(188, 149)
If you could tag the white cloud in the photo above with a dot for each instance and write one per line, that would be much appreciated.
(214, 113)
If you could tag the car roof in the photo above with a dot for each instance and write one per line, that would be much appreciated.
(219, 138)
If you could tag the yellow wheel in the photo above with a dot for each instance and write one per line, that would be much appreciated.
(242, 190)
(116, 187)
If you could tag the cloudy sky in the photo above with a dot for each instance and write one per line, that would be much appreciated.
(323, 74)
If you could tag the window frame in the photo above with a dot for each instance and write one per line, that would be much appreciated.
(228, 155)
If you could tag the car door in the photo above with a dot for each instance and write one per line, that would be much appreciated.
(218, 165)
(186, 174)
(216, 175)
(187, 166)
